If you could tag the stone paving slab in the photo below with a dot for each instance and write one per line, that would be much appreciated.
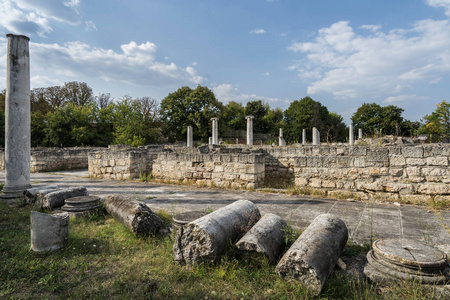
(365, 221)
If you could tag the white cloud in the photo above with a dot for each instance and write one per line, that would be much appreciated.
(266, 74)
(227, 92)
(405, 98)
(31, 17)
(257, 31)
(349, 65)
(372, 28)
(135, 64)
(90, 26)
(440, 3)
(44, 81)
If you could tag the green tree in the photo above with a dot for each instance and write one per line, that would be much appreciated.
(258, 110)
(70, 125)
(233, 116)
(437, 124)
(188, 107)
(375, 119)
(305, 114)
(135, 121)
(274, 121)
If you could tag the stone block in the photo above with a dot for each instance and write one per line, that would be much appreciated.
(437, 161)
(329, 161)
(413, 161)
(358, 151)
(396, 172)
(301, 181)
(433, 188)
(413, 151)
(358, 162)
(343, 161)
(378, 155)
(397, 160)
(430, 171)
(314, 161)
(315, 182)
(48, 232)
(328, 184)
(413, 171)
(300, 161)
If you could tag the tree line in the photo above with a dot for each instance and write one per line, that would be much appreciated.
(71, 115)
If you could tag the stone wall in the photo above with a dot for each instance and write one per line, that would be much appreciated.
(55, 159)
(236, 171)
(122, 161)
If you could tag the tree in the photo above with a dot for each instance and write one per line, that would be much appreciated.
(438, 123)
(188, 107)
(274, 121)
(258, 110)
(77, 93)
(70, 126)
(375, 119)
(305, 114)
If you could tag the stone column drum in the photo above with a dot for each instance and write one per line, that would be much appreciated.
(215, 131)
(190, 137)
(249, 130)
(304, 137)
(360, 134)
(281, 141)
(17, 117)
(351, 138)
(316, 136)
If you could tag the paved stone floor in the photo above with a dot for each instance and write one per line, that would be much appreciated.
(364, 219)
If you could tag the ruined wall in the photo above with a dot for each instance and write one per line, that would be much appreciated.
(237, 171)
(55, 159)
(123, 162)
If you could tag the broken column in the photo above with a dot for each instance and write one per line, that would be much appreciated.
(48, 232)
(190, 137)
(206, 238)
(281, 141)
(52, 199)
(215, 131)
(316, 136)
(266, 238)
(304, 137)
(351, 139)
(17, 118)
(249, 130)
(135, 215)
(314, 254)
(360, 135)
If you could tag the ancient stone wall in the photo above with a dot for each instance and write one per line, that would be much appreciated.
(55, 159)
(123, 162)
(225, 170)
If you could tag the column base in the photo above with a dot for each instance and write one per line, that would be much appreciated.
(10, 194)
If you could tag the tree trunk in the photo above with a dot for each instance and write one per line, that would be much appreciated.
(135, 215)
(266, 237)
(314, 254)
(205, 239)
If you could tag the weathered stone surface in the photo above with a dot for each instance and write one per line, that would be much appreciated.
(267, 237)
(135, 215)
(55, 199)
(412, 151)
(313, 256)
(30, 195)
(48, 232)
(206, 238)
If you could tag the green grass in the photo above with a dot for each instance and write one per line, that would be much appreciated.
(103, 260)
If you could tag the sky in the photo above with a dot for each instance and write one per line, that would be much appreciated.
(340, 53)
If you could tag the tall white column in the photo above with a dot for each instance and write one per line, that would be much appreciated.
(360, 135)
(190, 137)
(316, 136)
(304, 137)
(281, 141)
(351, 138)
(249, 130)
(215, 131)
(17, 117)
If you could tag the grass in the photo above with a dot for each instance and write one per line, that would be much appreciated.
(103, 260)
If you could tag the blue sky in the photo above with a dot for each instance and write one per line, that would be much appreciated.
(341, 53)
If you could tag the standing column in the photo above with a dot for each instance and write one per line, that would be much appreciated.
(304, 137)
(17, 117)
(190, 137)
(281, 141)
(215, 131)
(360, 134)
(351, 139)
(316, 136)
(249, 130)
